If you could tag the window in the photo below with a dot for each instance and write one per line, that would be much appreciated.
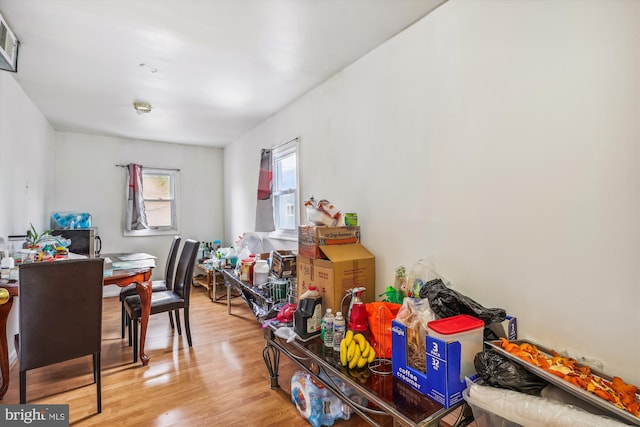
(158, 189)
(285, 189)
(159, 194)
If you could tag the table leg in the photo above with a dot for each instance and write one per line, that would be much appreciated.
(144, 291)
(271, 356)
(228, 299)
(466, 416)
(4, 351)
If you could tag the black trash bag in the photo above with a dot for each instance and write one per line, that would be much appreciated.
(490, 335)
(497, 371)
(445, 302)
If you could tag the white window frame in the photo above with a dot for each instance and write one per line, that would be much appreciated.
(167, 230)
(278, 153)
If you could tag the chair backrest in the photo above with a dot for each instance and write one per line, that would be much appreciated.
(60, 314)
(171, 262)
(184, 270)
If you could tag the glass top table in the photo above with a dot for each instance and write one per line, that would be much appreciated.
(389, 400)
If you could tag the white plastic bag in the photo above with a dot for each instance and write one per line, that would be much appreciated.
(322, 212)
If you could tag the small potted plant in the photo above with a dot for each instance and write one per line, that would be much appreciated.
(33, 238)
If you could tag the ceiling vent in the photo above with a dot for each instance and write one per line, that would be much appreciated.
(8, 48)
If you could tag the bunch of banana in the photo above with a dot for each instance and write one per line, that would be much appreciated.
(355, 351)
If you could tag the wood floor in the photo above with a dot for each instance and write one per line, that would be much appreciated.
(220, 381)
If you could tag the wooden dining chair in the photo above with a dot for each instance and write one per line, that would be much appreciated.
(60, 316)
(156, 285)
(170, 300)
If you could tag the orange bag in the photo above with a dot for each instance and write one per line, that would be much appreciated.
(379, 315)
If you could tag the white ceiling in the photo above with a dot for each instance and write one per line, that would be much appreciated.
(223, 66)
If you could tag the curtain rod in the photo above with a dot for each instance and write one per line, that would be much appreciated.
(285, 143)
(149, 167)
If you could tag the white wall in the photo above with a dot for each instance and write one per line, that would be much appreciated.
(89, 181)
(499, 140)
(42, 172)
(26, 171)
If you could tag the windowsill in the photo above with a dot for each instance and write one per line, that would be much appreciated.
(284, 235)
(146, 233)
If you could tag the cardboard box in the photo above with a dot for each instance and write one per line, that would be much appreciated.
(311, 237)
(283, 264)
(347, 267)
(441, 381)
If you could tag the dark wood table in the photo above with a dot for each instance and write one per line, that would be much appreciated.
(122, 278)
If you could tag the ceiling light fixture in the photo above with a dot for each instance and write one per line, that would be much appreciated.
(142, 107)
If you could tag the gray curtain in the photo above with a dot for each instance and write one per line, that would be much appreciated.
(264, 207)
(136, 217)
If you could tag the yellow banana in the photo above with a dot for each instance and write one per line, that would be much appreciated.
(372, 355)
(348, 337)
(362, 362)
(354, 362)
(361, 340)
(365, 353)
(351, 350)
(343, 353)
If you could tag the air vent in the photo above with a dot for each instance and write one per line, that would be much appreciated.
(8, 48)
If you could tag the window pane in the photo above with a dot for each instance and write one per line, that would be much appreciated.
(286, 173)
(158, 213)
(285, 212)
(156, 186)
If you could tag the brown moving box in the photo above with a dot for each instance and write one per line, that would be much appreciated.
(283, 264)
(348, 266)
(311, 237)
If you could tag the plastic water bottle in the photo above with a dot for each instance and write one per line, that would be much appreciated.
(338, 330)
(326, 331)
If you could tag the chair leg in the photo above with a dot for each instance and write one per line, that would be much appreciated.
(23, 387)
(171, 320)
(186, 325)
(97, 376)
(134, 326)
(129, 322)
(124, 319)
(178, 322)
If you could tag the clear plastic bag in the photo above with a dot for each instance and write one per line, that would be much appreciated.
(322, 212)
(415, 314)
(421, 272)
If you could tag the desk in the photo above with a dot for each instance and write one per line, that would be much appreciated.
(388, 397)
(121, 278)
